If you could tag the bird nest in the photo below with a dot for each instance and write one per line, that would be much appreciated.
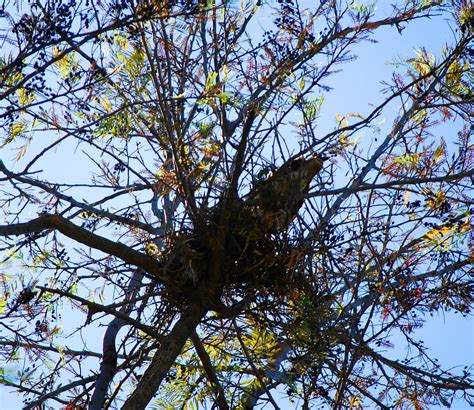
(254, 261)
(257, 257)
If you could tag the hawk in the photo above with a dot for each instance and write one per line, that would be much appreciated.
(276, 200)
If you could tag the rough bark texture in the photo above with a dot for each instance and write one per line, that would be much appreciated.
(108, 367)
(63, 225)
(164, 358)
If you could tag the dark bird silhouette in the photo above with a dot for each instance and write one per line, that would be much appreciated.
(276, 200)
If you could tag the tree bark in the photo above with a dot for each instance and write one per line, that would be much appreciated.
(66, 227)
(108, 366)
(165, 357)
(209, 371)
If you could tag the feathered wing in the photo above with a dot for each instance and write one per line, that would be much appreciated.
(276, 201)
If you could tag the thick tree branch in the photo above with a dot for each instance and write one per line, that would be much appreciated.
(81, 205)
(67, 228)
(60, 350)
(420, 375)
(249, 400)
(55, 394)
(209, 370)
(260, 375)
(96, 308)
(393, 184)
(108, 366)
(397, 131)
(164, 358)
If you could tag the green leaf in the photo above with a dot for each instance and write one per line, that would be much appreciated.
(302, 84)
(210, 81)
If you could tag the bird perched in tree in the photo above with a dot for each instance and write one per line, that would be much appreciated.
(276, 200)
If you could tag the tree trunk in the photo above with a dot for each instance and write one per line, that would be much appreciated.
(164, 357)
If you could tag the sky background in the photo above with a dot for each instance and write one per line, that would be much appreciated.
(356, 88)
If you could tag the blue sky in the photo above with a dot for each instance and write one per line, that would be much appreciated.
(356, 87)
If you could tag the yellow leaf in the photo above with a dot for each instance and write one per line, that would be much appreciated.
(466, 225)
(66, 63)
(106, 104)
(439, 153)
(122, 42)
(405, 197)
(25, 98)
(211, 81)
(355, 115)
(355, 401)
(17, 129)
(302, 84)
(436, 200)
(152, 249)
(225, 72)
(443, 238)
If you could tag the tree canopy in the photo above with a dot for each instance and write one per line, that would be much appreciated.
(180, 230)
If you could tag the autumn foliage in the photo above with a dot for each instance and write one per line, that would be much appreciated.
(181, 228)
